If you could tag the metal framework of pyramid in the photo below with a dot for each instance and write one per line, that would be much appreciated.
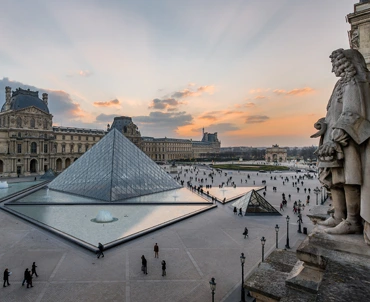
(114, 169)
(253, 203)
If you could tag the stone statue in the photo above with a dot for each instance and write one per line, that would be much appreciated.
(344, 148)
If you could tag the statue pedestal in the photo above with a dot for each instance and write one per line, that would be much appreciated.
(324, 268)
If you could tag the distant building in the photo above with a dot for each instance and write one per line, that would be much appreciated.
(276, 154)
(30, 144)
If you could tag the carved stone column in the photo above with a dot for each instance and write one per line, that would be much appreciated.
(359, 35)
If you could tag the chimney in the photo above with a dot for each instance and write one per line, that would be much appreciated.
(8, 91)
(45, 98)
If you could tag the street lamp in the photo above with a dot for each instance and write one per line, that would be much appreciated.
(277, 235)
(287, 233)
(212, 285)
(317, 191)
(242, 260)
(263, 241)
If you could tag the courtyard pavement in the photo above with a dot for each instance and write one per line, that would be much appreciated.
(196, 249)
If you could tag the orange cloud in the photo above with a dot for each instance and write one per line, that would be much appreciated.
(246, 105)
(191, 93)
(260, 97)
(110, 103)
(295, 92)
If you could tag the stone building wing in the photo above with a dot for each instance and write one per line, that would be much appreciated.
(114, 169)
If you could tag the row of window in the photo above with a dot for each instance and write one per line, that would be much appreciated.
(78, 137)
(34, 148)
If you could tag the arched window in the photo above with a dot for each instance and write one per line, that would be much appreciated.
(19, 122)
(33, 147)
(32, 123)
(33, 166)
(59, 164)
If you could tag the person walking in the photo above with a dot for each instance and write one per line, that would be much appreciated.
(26, 272)
(28, 279)
(281, 207)
(6, 277)
(245, 233)
(101, 249)
(235, 211)
(156, 250)
(144, 265)
(240, 212)
(34, 269)
(163, 268)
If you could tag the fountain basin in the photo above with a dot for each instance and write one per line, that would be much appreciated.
(104, 217)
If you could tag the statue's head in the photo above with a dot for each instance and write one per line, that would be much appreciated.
(347, 63)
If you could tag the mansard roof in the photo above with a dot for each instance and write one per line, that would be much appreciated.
(22, 98)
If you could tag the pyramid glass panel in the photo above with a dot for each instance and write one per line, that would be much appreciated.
(254, 203)
(114, 169)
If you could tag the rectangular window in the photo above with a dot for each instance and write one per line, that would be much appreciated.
(45, 148)
(63, 137)
(71, 137)
(19, 148)
(93, 138)
(87, 138)
(79, 138)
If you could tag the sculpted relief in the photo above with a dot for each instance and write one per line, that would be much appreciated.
(344, 148)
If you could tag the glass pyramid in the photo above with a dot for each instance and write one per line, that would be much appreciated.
(114, 169)
(254, 203)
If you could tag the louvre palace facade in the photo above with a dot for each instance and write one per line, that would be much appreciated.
(31, 145)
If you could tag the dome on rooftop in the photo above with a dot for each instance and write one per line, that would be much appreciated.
(22, 98)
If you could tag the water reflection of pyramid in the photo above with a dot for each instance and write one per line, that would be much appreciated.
(114, 169)
(253, 203)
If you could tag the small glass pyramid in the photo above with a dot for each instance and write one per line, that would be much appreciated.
(254, 203)
(114, 169)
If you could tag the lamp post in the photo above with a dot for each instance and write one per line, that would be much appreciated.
(212, 285)
(242, 260)
(287, 233)
(277, 235)
(263, 241)
(317, 191)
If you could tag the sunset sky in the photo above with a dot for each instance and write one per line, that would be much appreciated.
(257, 72)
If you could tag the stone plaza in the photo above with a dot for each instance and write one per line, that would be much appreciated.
(196, 249)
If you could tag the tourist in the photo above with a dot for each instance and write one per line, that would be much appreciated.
(34, 269)
(28, 279)
(6, 277)
(240, 212)
(264, 194)
(144, 265)
(235, 211)
(163, 268)
(100, 251)
(245, 233)
(281, 207)
(156, 250)
(26, 272)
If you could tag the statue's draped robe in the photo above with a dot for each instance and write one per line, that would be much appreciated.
(350, 113)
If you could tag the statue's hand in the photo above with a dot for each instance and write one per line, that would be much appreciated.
(339, 136)
(329, 151)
